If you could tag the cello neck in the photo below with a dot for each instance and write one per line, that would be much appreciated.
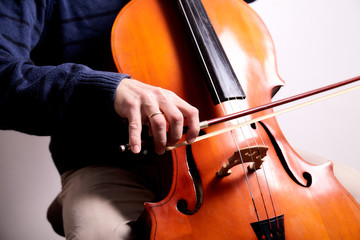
(222, 82)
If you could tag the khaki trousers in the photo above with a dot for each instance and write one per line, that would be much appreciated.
(99, 202)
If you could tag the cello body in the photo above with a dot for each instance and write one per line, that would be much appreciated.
(284, 198)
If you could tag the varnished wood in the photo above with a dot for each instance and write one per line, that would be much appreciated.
(149, 43)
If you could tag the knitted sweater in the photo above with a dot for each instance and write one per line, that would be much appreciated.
(57, 77)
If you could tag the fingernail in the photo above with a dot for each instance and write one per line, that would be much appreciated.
(191, 139)
(161, 152)
(136, 149)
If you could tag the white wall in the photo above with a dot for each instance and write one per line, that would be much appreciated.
(28, 184)
(317, 43)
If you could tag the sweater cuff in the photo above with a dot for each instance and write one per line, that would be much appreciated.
(104, 82)
(98, 89)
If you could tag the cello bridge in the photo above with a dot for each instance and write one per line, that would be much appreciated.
(254, 155)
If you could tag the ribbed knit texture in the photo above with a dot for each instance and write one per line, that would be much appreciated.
(57, 77)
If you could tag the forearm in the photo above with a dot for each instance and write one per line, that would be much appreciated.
(35, 99)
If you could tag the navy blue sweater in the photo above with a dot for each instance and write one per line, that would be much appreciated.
(57, 77)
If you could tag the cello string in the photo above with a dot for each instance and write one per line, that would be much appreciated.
(267, 186)
(218, 98)
(266, 178)
(251, 155)
(244, 169)
(264, 173)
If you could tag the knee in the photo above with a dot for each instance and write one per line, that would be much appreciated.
(54, 216)
(93, 218)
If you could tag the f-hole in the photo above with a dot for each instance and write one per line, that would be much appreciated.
(306, 175)
(182, 205)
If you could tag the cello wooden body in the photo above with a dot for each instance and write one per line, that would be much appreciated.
(287, 198)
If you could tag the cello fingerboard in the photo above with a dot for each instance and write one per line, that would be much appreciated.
(222, 82)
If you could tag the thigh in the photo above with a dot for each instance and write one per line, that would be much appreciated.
(103, 202)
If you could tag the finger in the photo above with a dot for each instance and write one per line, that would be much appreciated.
(191, 116)
(175, 119)
(192, 121)
(158, 130)
(135, 127)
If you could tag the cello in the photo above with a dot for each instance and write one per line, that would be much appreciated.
(248, 183)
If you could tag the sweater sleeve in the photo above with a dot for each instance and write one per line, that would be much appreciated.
(34, 99)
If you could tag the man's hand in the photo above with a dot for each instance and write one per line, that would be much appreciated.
(140, 102)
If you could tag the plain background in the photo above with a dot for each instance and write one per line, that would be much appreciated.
(317, 43)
